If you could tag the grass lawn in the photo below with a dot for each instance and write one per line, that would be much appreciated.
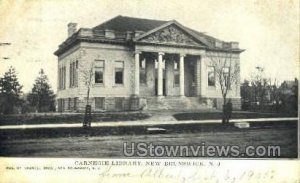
(235, 115)
(102, 142)
(70, 118)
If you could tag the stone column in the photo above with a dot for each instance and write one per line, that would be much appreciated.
(137, 74)
(181, 75)
(169, 75)
(198, 76)
(160, 74)
(203, 74)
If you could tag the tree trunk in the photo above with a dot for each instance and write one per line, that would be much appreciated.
(88, 96)
(224, 110)
(87, 115)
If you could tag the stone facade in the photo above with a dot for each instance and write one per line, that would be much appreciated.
(128, 69)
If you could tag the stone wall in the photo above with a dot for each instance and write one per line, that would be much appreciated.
(110, 104)
(109, 54)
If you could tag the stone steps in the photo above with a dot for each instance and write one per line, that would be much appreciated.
(175, 103)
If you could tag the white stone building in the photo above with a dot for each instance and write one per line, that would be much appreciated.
(141, 64)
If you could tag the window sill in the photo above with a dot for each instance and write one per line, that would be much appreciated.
(98, 85)
(211, 87)
(118, 85)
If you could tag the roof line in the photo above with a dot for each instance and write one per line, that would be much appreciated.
(108, 20)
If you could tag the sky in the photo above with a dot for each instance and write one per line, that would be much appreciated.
(267, 29)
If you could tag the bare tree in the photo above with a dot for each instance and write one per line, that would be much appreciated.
(227, 71)
(87, 72)
(260, 85)
(88, 75)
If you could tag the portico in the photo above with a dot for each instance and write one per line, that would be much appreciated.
(167, 74)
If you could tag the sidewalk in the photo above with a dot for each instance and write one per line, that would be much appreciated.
(151, 122)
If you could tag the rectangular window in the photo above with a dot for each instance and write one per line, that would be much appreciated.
(75, 103)
(64, 77)
(119, 72)
(119, 103)
(211, 76)
(71, 74)
(76, 73)
(176, 65)
(226, 76)
(143, 71)
(69, 103)
(63, 104)
(59, 78)
(99, 102)
(99, 71)
(142, 64)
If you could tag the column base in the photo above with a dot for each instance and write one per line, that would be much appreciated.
(134, 103)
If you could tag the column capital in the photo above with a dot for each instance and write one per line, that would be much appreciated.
(161, 53)
(182, 54)
(203, 56)
(137, 52)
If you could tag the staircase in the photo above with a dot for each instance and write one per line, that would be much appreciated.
(176, 103)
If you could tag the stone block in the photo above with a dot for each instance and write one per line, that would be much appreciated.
(154, 130)
(242, 125)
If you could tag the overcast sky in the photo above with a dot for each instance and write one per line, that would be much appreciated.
(268, 30)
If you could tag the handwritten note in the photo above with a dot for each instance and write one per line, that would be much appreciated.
(154, 170)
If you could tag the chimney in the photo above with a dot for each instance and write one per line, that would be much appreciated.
(218, 44)
(234, 45)
(71, 29)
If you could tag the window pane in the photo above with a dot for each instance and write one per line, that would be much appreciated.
(119, 70)
(99, 70)
(99, 102)
(98, 75)
(211, 76)
(143, 64)
(119, 76)
(176, 65)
